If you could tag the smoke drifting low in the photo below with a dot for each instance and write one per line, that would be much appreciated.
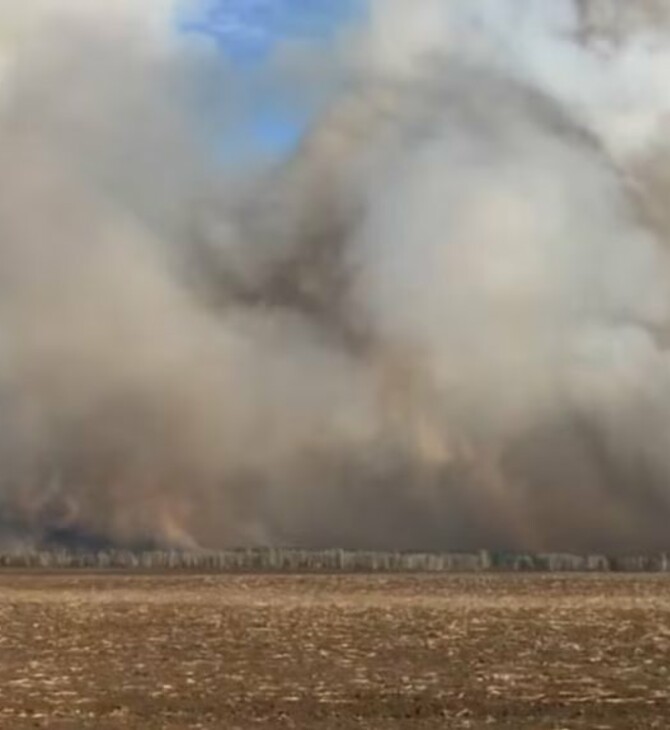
(443, 323)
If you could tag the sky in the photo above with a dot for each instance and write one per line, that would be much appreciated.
(246, 33)
(247, 30)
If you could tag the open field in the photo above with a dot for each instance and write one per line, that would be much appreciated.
(83, 650)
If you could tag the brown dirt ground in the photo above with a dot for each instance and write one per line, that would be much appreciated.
(333, 652)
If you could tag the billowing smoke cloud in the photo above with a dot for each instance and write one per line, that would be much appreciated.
(443, 323)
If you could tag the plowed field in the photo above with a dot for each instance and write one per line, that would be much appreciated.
(97, 651)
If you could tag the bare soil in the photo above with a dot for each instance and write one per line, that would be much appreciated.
(332, 652)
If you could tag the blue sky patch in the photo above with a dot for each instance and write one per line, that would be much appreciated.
(248, 30)
(268, 121)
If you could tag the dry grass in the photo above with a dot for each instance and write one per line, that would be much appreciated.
(500, 651)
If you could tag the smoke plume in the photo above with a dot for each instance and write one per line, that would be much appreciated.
(442, 323)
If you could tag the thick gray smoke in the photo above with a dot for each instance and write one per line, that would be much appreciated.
(443, 323)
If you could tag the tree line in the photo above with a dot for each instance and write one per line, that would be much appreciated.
(286, 560)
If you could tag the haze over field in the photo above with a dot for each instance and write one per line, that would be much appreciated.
(401, 283)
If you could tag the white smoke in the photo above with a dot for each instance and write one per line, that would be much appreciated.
(443, 322)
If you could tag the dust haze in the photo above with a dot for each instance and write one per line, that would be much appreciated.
(443, 322)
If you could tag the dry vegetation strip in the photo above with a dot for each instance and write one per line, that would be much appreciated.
(291, 560)
(320, 652)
